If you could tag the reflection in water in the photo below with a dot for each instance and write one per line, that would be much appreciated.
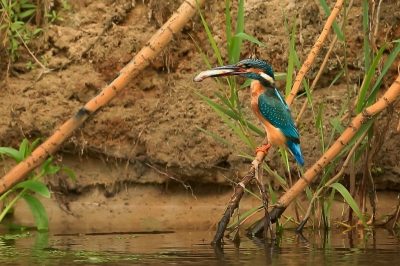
(187, 248)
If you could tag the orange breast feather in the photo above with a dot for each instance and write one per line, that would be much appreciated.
(274, 135)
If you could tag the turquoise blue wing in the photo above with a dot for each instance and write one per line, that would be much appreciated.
(277, 112)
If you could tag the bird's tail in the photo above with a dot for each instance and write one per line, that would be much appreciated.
(295, 150)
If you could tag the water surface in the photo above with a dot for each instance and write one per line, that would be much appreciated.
(379, 247)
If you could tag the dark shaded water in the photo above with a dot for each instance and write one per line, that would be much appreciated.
(379, 247)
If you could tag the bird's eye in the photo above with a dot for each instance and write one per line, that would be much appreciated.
(247, 65)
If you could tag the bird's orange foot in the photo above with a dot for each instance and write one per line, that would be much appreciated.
(264, 149)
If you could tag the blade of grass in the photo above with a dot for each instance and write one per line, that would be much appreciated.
(389, 62)
(38, 211)
(289, 79)
(366, 83)
(210, 37)
(349, 199)
(367, 52)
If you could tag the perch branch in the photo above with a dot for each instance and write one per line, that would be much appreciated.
(152, 49)
(234, 201)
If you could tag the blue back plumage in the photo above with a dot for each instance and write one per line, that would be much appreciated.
(275, 110)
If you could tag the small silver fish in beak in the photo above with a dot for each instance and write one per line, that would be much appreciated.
(221, 71)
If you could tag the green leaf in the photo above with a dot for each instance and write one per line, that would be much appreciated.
(235, 47)
(23, 147)
(47, 163)
(274, 199)
(51, 170)
(335, 123)
(38, 211)
(349, 199)
(27, 13)
(245, 215)
(210, 36)
(69, 172)
(36, 31)
(367, 59)
(224, 142)
(367, 81)
(33, 146)
(318, 121)
(228, 26)
(247, 83)
(28, 5)
(389, 62)
(229, 113)
(13, 153)
(249, 38)
(35, 186)
(17, 227)
(292, 52)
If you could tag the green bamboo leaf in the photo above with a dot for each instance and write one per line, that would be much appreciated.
(33, 146)
(335, 123)
(298, 65)
(243, 216)
(247, 83)
(224, 100)
(13, 153)
(249, 38)
(318, 121)
(235, 46)
(28, 5)
(69, 172)
(367, 60)
(47, 163)
(35, 186)
(229, 113)
(292, 52)
(233, 127)
(357, 136)
(349, 199)
(38, 211)
(280, 76)
(51, 170)
(228, 26)
(27, 13)
(224, 142)
(309, 193)
(23, 148)
(366, 83)
(274, 199)
(389, 62)
(209, 35)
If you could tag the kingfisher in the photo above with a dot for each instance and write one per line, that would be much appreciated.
(266, 103)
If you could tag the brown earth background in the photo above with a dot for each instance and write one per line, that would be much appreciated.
(128, 157)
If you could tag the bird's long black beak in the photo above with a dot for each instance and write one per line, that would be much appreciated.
(221, 71)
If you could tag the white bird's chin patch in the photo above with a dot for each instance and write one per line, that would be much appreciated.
(268, 78)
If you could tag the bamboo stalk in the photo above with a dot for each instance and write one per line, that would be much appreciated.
(152, 49)
(314, 51)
